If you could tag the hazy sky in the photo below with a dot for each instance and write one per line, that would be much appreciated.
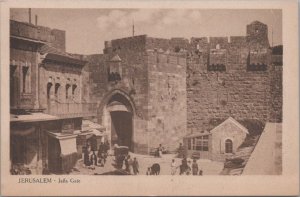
(87, 29)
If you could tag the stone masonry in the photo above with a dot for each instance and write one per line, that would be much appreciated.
(154, 80)
(177, 86)
(237, 91)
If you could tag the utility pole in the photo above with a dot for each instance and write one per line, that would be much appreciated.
(133, 27)
(272, 36)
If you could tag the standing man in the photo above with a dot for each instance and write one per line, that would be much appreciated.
(135, 166)
(160, 149)
(173, 167)
(130, 165)
(180, 151)
(195, 167)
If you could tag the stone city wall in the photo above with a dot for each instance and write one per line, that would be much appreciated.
(235, 92)
(167, 99)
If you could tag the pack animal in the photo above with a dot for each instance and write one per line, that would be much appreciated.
(154, 169)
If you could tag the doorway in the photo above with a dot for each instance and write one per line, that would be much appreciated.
(121, 128)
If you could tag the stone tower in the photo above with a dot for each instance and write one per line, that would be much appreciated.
(257, 34)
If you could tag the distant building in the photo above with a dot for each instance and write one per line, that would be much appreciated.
(219, 143)
(45, 100)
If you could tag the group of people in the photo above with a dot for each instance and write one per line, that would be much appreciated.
(186, 168)
(91, 159)
(159, 151)
(131, 165)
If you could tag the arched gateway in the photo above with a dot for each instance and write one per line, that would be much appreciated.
(118, 118)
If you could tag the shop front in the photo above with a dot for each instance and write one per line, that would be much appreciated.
(62, 152)
(27, 143)
(90, 136)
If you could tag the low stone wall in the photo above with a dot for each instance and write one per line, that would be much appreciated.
(266, 159)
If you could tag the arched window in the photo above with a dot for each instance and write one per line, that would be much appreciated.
(74, 88)
(56, 92)
(26, 79)
(218, 46)
(67, 90)
(228, 146)
(49, 88)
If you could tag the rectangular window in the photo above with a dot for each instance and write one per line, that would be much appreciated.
(256, 67)
(200, 143)
(189, 144)
(216, 67)
(205, 145)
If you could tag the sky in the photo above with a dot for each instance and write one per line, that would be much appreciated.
(87, 29)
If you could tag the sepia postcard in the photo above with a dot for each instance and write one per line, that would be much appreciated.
(149, 98)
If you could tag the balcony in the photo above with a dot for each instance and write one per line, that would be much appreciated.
(72, 110)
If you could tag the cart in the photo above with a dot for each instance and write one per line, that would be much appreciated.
(120, 153)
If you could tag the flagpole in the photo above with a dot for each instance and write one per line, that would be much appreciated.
(132, 27)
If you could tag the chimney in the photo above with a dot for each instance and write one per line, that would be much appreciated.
(29, 13)
(36, 20)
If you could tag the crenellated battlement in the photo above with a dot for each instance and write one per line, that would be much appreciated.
(256, 38)
(167, 61)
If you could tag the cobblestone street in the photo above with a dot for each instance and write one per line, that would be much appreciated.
(208, 167)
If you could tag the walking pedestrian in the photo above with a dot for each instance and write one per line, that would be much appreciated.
(173, 167)
(107, 147)
(189, 169)
(126, 163)
(93, 159)
(160, 149)
(135, 166)
(195, 167)
(183, 166)
(180, 151)
(130, 165)
(101, 148)
(86, 157)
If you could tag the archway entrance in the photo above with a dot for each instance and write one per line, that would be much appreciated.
(118, 119)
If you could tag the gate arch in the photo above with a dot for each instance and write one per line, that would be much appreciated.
(117, 112)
